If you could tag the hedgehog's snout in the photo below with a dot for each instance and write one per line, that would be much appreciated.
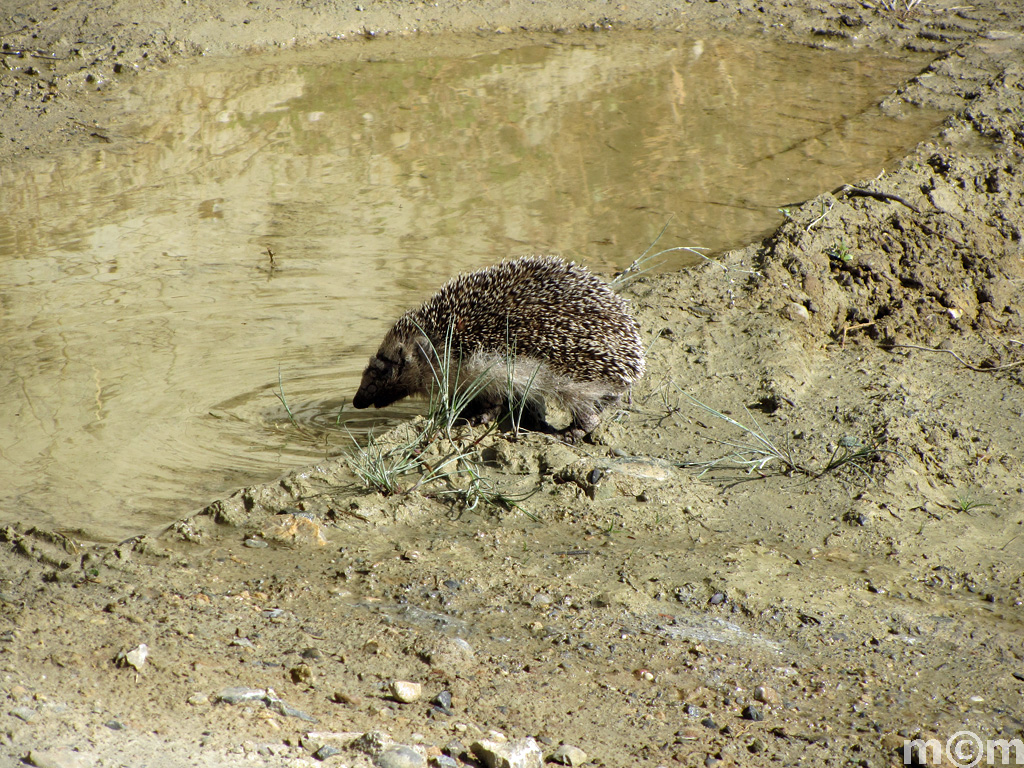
(379, 385)
(363, 397)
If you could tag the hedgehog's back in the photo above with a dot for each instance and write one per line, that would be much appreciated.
(542, 307)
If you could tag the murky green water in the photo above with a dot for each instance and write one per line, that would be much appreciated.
(144, 325)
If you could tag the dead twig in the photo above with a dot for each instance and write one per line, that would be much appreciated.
(959, 359)
(849, 328)
(848, 190)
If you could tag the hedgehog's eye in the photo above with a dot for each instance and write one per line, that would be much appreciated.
(392, 365)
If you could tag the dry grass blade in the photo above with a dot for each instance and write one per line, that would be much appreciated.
(752, 456)
(760, 452)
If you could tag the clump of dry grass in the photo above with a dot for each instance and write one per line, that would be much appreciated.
(757, 452)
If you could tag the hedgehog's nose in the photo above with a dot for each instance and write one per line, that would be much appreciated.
(362, 399)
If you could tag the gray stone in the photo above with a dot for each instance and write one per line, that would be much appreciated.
(60, 758)
(399, 757)
(241, 694)
(23, 713)
(326, 751)
(569, 755)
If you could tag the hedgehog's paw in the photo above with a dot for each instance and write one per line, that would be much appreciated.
(580, 428)
(481, 412)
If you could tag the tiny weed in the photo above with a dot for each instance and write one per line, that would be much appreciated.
(642, 265)
(967, 502)
(449, 396)
(519, 394)
(757, 453)
(281, 397)
(841, 251)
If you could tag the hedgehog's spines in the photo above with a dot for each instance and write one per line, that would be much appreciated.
(536, 313)
(541, 304)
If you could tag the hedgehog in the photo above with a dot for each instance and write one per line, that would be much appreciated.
(535, 329)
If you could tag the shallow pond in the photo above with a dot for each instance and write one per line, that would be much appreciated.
(258, 224)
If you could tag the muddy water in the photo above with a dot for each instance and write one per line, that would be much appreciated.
(266, 219)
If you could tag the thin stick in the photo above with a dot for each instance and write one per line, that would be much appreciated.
(848, 190)
(963, 362)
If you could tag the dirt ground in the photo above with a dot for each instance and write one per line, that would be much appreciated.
(631, 608)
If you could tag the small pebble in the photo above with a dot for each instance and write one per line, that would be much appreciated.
(406, 692)
(795, 311)
(750, 712)
(241, 694)
(456, 748)
(23, 713)
(134, 658)
(59, 758)
(254, 543)
(301, 673)
(569, 755)
(344, 697)
(326, 751)
(767, 695)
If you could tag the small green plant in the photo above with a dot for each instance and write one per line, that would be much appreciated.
(754, 455)
(643, 263)
(850, 451)
(518, 394)
(966, 501)
(840, 251)
(281, 397)
(449, 395)
(381, 467)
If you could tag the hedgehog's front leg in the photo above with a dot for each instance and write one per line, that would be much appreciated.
(483, 410)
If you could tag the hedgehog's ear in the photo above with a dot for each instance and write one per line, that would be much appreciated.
(422, 349)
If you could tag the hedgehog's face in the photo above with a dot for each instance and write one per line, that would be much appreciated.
(393, 373)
